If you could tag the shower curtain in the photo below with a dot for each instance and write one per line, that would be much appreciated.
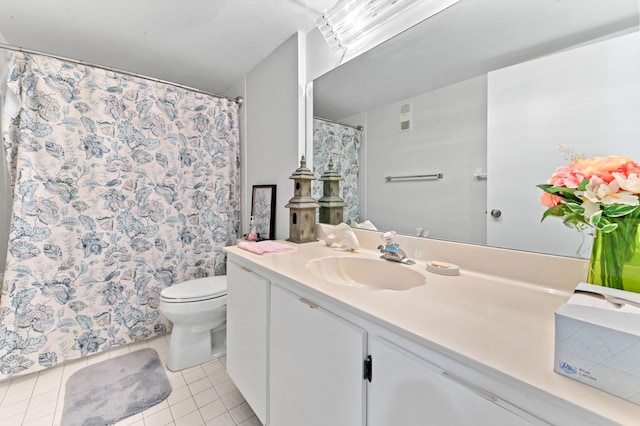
(340, 143)
(121, 187)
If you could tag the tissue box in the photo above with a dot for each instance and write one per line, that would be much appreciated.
(597, 340)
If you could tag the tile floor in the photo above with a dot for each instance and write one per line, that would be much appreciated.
(201, 395)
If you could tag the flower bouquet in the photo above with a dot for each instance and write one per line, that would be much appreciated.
(601, 193)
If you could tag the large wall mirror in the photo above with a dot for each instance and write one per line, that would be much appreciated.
(470, 109)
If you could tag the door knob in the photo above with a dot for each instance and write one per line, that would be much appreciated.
(496, 213)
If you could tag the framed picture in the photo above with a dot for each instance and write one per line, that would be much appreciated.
(263, 210)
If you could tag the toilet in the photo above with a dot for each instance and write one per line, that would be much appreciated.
(198, 310)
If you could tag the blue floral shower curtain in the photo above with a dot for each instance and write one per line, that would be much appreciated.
(121, 187)
(341, 143)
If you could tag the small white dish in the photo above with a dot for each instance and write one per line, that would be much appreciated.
(443, 268)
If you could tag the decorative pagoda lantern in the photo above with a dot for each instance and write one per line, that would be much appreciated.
(331, 205)
(302, 207)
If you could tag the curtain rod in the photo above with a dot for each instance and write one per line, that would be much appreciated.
(239, 100)
(359, 127)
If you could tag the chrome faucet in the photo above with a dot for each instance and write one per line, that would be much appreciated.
(391, 251)
(394, 253)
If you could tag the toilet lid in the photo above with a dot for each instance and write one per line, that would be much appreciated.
(198, 289)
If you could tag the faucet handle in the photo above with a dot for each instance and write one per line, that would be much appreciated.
(389, 238)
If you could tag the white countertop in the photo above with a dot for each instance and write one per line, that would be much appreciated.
(502, 323)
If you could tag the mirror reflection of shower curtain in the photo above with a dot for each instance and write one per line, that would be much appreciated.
(340, 143)
(122, 187)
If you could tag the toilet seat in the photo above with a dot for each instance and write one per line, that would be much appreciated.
(200, 289)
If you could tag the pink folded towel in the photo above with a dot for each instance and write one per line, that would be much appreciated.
(264, 247)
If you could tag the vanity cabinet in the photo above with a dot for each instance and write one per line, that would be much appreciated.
(407, 390)
(247, 330)
(302, 358)
(316, 361)
(317, 376)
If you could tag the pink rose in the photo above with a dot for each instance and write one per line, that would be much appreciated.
(629, 169)
(586, 168)
(569, 177)
(550, 200)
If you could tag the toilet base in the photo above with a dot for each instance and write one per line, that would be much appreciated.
(187, 349)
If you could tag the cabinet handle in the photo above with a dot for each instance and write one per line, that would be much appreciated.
(483, 393)
(368, 368)
(308, 303)
(244, 268)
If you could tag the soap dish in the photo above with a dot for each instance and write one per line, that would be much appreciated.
(443, 268)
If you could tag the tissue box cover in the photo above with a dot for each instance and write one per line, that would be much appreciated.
(600, 345)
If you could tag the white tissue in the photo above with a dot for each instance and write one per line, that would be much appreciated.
(367, 224)
(606, 298)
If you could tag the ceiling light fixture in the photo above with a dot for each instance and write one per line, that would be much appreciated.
(350, 21)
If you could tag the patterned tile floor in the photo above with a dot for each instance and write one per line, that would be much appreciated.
(201, 395)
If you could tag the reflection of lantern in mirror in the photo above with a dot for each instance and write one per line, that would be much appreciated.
(302, 207)
(331, 205)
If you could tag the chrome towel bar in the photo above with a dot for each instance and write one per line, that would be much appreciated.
(429, 176)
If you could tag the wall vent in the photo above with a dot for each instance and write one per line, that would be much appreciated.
(406, 117)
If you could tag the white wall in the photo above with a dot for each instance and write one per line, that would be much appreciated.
(448, 136)
(274, 100)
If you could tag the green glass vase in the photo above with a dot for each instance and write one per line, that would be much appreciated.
(615, 257)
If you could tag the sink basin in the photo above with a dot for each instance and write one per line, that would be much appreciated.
(371, 274)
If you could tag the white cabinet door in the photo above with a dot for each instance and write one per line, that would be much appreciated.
(408, 391)
(247, 326)
(316, 365)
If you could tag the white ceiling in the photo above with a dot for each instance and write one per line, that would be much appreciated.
(205, 44)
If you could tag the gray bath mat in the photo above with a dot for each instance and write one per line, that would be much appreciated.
(103, 393)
